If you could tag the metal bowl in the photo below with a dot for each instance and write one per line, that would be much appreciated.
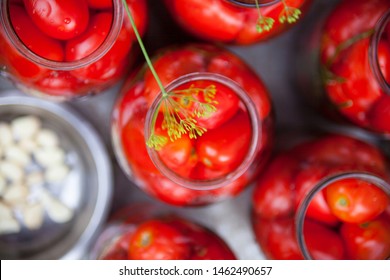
(87, 189)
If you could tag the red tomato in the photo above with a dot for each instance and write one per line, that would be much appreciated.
(273, 195)
(156, 240)
(226, 105)
(196, 15)
(234, 68)
(305, 180)
(59, 19)
(85, 44)
(367, 241)
(225, 147)
(60, 83)
(170, 66)
(379, 114)
(355, 201)
(38, 42)
(358, 90)
(100, 4)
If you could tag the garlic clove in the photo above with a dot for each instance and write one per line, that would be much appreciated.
(25, 127)
(6, 138)
(33, 215)
(16, 194)
(58, 211)
(5, 211)
(3, 185)
(17, 155)
(28, 145)
(9, 226)
(56, 173)
(12, 171)
(35, 178)
(49, 156)
(47, 138)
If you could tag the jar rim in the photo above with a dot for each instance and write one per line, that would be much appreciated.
(325, 182)
(373, 51)
(252, 4)
(253, 146)
(117, 19)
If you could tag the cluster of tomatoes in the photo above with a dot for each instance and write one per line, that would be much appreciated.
(219, 151)
(350, 82)
(167, 238)
(67, 32)
(348, 219)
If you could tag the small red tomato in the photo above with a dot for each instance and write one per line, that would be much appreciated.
(32, 37)
(59, 19)
(367, 241)
(100, 4)
(305, 181)
(85, 44)
(355, 201)
(226, 146)
(273, 195)
(59, 83)
(156, 240)
(225, 101)
(196, 15)
(379, 114)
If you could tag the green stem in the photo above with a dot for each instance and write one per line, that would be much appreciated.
(143, 49)
(258, 8)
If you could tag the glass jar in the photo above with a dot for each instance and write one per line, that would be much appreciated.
(237, 21)
(144, 232)
(327, 198)
(345, 62)
(192, 169)
(67, 49)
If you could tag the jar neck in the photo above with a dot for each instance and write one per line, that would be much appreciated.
(117, 19)
(252, 3)
(253, 146)
(303, 207)
(374, 59)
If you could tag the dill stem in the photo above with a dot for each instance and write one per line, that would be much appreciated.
(143, 49)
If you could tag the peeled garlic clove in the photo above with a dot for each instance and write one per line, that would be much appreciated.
(17, 155)
(25, 127)
(56, 173)
(49, 156)
(28, 145)
(12, 171)
(33, 215)
(5, 211)
(34, 178)
(6, 138)
(57, 211)
(47, 138)
(3, 184)
(16, 194)
(8, 226)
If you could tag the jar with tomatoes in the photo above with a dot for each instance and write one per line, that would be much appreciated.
(200, 133)
(347, 65)
(67, 49)
(327, 198)
(239, 22)
(140, 232)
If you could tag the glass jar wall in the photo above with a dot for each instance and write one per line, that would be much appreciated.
(203, 139)
(327, 198)
(67, 49)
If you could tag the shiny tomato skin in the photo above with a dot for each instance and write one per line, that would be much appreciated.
(273, 195)
(356, 201)
(196, 15)
(306, 179)
(59, 19)
(59, 83)
(95, 34)
(156, 240)
(367, 241)
(226, 146)
(37, 41)
(100, 4)
(379, 114)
